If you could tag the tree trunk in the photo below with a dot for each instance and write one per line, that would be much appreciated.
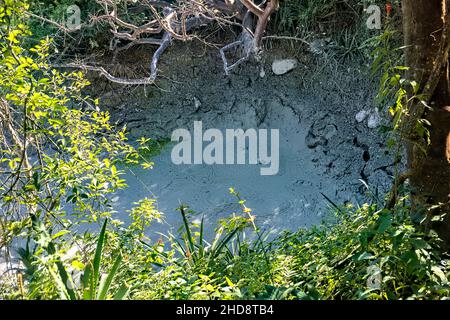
(423, 22)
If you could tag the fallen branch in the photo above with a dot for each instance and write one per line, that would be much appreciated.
(286, 38)
(54, 23)
(107, 75)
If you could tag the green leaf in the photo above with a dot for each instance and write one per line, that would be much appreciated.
(229, 282)
(98, 258)
(106, 284)
(122, 292)
(87, 282)
(60, 234)
(415, 86)
(439, 273)
(385, 222)
(420, 244)
(78, 265)
(364, 256)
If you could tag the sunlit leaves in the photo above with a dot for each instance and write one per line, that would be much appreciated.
(143, 214)
(69, 165)
(396, 93)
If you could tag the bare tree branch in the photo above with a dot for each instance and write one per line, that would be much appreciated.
(175, 21)
(253, 8)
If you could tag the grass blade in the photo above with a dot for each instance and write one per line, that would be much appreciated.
(106, 284)
(98, 258)
(188, 230)
(122, 292)
(87, 282)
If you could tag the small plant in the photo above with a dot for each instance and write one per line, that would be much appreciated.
(93, 285)
(336, 261)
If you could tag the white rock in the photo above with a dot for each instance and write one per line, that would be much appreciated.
(280, 67)
(197, 104)
(361, 116)
(374, 120)
(262, 73)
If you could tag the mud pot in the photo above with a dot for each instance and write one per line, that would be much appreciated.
(330, 146)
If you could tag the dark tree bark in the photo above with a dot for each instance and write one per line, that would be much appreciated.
(426, 39)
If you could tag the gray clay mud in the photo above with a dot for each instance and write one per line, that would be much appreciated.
(324, 151)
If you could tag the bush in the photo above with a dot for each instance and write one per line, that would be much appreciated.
(366, 253)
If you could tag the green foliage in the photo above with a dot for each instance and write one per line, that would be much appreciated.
(396, 93)
(58, 162)
(142, 215)
(366, 253)
(227, 268)
(58, 167)
(60, 152)
(321, 15)
(94, 285)
(338, 261)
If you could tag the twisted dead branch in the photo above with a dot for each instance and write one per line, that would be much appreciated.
(163, 22)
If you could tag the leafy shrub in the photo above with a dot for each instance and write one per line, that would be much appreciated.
(368, 253)
(335, 261)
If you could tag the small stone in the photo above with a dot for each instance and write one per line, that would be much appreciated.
(361, 116)
(374, 120)
(262, 73)
(197, 104)
(280, 67)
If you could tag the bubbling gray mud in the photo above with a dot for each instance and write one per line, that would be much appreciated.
(324, 151)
